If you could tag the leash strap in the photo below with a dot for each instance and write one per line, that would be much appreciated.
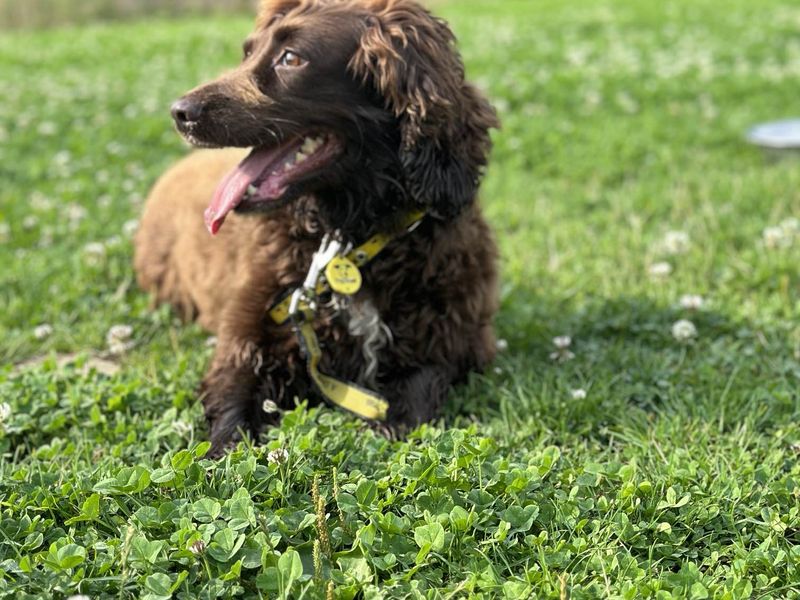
(341, 275)
(352, 398)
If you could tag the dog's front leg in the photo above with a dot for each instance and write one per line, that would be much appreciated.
(231, 385)
(417, 397)
(228, 393)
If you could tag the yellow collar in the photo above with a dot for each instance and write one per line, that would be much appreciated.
(358, 256)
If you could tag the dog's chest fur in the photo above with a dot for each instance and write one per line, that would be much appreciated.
(352, 330)
(402, 319)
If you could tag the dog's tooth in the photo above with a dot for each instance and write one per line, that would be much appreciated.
(308, 146)
(252, 190)
(299, 157)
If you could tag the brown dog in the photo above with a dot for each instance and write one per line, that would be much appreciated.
(358, 115)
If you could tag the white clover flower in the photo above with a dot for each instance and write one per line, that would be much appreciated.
(502, 105)
(118, 339)
(576, 56)
(5, 411)
(79, 597)
(130, 227)
(578, 394)
(675, 242)
(197, 547)
(94, 253)
(502, 345)
(5, 232)
(562, 352)
(76, 213)
(103, 201)
(39, 201)
(62, 158)
(43, 331)
(118, 348)
(691, 302)
(47, 128)
(30, 221)
(562, 355)
(782, 235)
(119, 332)
(182, 427)
(684, 330)
(269, 406)
(659, 270)
(775, 237)
(790, 225)
(277, 456)
(562, 342)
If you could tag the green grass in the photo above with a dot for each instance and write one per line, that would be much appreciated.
(49, 13)
(676, 476)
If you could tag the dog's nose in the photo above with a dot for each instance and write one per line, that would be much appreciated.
(186, 111)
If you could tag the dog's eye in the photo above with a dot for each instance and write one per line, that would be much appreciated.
(290, 59)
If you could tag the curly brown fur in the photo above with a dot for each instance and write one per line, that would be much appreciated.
(382, 78)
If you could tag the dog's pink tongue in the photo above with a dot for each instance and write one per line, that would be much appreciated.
(230, 191)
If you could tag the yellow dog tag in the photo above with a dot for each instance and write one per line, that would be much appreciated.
(343, 276)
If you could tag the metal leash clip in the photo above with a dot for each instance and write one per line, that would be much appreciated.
(328, 248)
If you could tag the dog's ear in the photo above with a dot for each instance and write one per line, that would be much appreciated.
(409, 57)
(271, 10)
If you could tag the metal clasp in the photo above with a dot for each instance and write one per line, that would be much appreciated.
(328, 248)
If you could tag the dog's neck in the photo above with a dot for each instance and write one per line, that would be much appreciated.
(353, 214)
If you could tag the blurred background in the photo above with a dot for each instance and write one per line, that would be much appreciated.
(47, 13)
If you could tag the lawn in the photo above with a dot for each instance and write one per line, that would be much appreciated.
(656, 455)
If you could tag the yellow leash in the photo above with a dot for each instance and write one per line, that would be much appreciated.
(349, 396)
(341, 274)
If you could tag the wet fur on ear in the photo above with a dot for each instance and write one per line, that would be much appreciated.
(409, 57)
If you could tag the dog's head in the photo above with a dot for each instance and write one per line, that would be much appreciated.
(361, 102)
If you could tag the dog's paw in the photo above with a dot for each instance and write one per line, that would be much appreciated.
(391, 431)
(227, 430)
(220, 447)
